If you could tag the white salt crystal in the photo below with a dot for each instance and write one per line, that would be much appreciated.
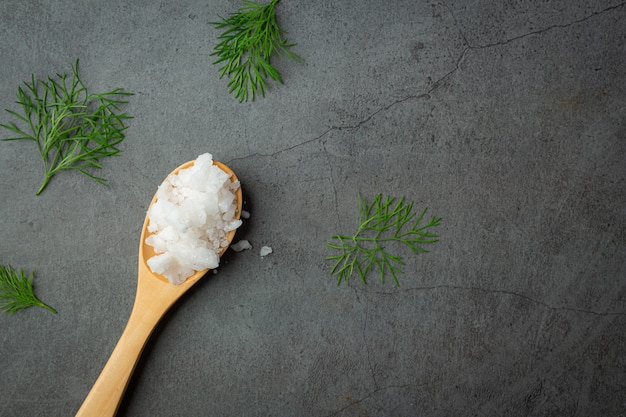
(245, 214)
(241, 245)
(265, 250)
(190, 220)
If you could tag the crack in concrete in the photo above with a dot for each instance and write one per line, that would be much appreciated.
(332, 180)
(367, 348)
(456, 22)
(544, 30)
(513, 294)
(437, 83)
(290, 148)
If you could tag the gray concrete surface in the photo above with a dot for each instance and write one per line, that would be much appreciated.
(506, 119)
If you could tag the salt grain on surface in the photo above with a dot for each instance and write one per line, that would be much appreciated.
(190, 220)
(241, 245)
(265, 250)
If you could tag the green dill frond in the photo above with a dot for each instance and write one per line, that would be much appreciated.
(16, 291)
(72, 128)
(251, 37)
(381, 222)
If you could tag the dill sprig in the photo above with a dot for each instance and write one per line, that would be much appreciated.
(250, 38)
(73, 129)
(381, 222)
(16, 291)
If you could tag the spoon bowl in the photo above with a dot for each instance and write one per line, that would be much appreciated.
(155, 295)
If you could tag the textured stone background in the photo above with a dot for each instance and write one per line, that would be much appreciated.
(506, 119)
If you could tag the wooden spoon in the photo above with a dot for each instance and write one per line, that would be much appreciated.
(155, 295)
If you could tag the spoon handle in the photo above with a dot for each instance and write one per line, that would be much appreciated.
(107, 392)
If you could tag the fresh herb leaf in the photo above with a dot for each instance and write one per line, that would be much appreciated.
(381, 222)
(16, 291)
(250, 38)
(73, 129)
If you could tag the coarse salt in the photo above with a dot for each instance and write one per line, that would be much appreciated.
(241, 245)
(265, 250)
(190, 220)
